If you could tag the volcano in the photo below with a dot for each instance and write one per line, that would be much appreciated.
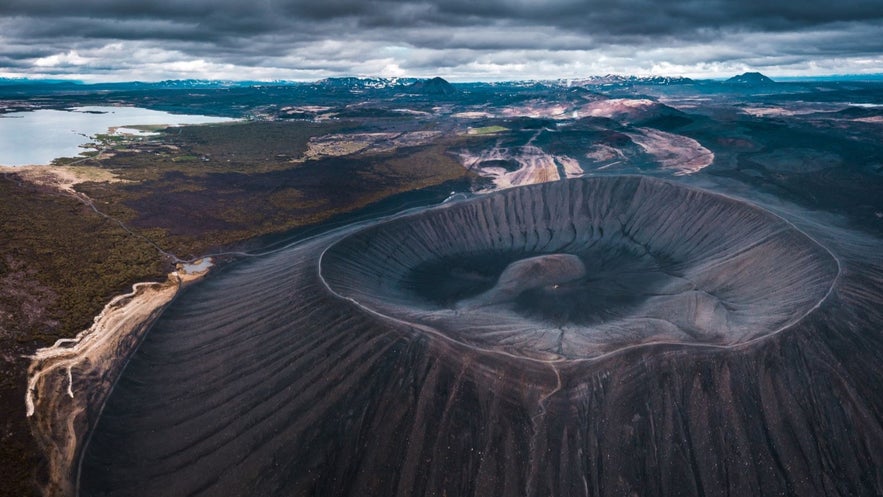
(595, 336)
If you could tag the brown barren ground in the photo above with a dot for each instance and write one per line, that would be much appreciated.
(85, 369)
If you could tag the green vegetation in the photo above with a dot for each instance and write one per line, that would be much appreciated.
(108, 139)
(251, 147)
(68, 251)
(487, 130)
(148, 127)
(60, 263)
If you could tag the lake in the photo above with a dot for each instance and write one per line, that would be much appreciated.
(38, 137)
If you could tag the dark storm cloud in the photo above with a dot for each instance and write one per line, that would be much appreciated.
(301, 34)
(637, 16)
(599, 18)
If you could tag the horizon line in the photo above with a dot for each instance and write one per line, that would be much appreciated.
(856, 77)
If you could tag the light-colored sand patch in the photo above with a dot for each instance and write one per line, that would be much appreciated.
(472, 115)
(616, 108)
(338, 145)
(604, 153)
(571, 166)
(412, 112)
(415, 138)
(131, 131)
(316, 112)
(767, 111)
(774, 111)
(303, 108)
(677, 153)
(685, 103)
(69, 382)
(62, 178)
(539, 108)
(534, 166)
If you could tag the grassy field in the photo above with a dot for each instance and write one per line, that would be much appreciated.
(487, 130)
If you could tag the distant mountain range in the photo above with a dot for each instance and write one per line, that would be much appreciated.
(435, 86)
(434, 89)
(353, 82)
(616, 79)
(188, 83)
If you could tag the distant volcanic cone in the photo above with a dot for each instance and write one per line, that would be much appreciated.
(750, 79)
(434, 86)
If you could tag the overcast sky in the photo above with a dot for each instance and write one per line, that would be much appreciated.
(461, 40)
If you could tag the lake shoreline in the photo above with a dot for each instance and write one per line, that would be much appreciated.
(39, 136)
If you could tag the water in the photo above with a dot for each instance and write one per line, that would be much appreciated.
(38, 137)
(197, 266)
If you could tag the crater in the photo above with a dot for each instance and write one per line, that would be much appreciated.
(575, 269)
(460, 350)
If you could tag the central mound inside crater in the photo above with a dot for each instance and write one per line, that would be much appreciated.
(589, 287)
(579, 268)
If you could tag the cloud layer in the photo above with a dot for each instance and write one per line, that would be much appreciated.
(104, 40)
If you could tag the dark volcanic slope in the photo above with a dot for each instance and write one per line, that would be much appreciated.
(487, 348)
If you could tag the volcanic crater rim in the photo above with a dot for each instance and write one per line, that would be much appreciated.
(748, 275)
